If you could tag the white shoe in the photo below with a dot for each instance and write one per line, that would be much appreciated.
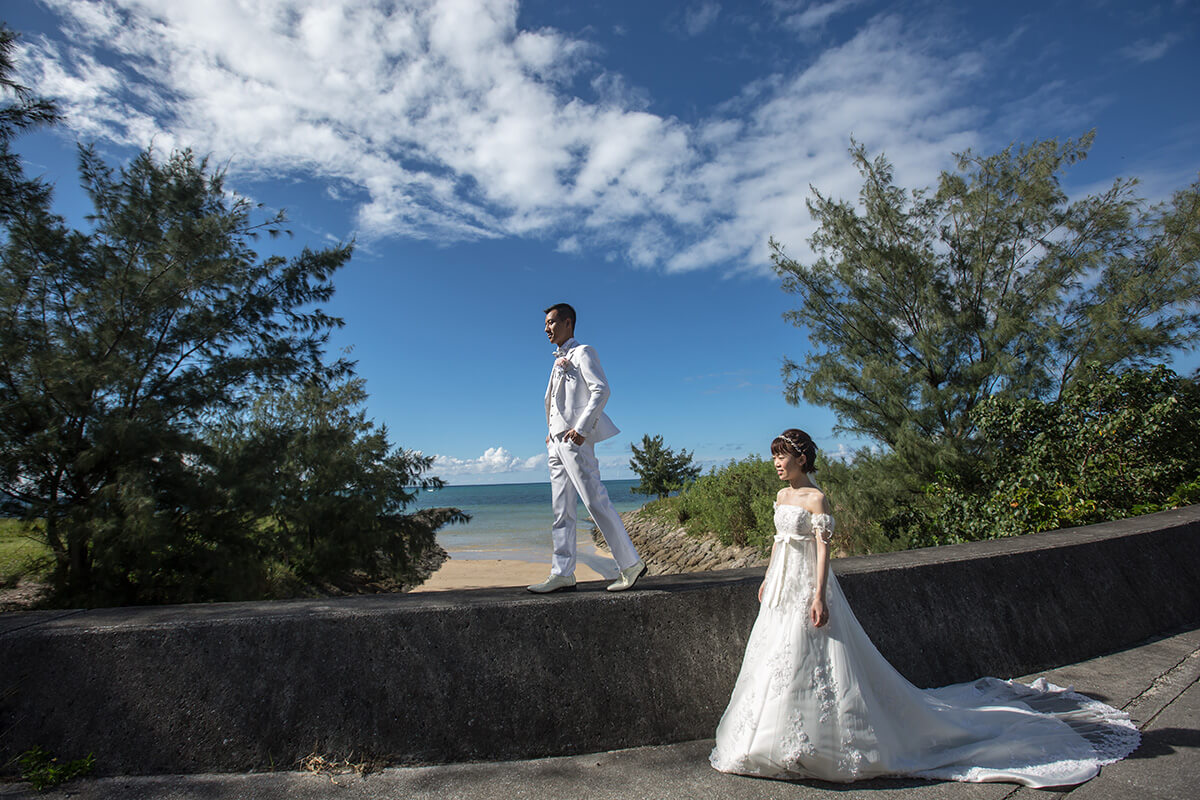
(555, 583)
(628, 577)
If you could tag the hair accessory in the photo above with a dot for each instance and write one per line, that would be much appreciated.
(795, 445)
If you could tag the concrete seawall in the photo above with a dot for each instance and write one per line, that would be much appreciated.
(496, 674)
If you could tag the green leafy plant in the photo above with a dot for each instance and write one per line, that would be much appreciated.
(1113, 445)
(43, 770)
(734, 503)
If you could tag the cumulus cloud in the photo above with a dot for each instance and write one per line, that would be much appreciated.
(445, 120)
(494, 460)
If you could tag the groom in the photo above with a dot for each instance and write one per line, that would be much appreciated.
(575, 399)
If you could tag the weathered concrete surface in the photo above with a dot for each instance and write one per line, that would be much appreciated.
(498, 674)
(449, 677)
(1015, 606)
(1158, 682)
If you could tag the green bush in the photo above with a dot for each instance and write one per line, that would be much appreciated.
(734, 503)
(660, 468)
(864, 491)
(1113, 446)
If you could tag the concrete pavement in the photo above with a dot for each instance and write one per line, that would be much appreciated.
(1158, 682)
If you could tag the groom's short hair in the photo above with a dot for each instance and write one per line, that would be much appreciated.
(564, 311)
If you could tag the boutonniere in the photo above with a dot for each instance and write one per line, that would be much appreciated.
(563, 363)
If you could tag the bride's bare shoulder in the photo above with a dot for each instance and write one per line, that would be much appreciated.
(810, 499)
(814, 500)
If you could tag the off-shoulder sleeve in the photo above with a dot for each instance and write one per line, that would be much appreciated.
(822, 527)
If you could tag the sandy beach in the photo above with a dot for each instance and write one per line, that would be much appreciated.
(478, 573)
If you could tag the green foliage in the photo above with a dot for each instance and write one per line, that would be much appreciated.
(134, 354)
(869, 487)
(1116, 444)
(734, 503)
(921, 305)
(43, 771)
(306, 462)
(661, 470)
(118, 345)
(22, 112)
(22, 551)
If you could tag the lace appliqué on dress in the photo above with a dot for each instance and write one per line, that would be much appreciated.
(796, 746)
(797, 522)
(822, 527)
(780, 669)
(1103, 734)
(740, 720)
(825, 690)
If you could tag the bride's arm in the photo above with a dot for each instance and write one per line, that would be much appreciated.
(819, 613)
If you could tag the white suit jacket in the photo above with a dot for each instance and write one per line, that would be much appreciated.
(575, 396)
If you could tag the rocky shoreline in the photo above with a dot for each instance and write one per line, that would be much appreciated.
(668, 549)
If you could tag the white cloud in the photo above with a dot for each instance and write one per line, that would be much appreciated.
(444, 120)
(1147, 50)
(805, 16)
(494, 460)
(698, 18)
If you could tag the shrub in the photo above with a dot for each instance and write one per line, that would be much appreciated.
(1113, 446)
(734, 503)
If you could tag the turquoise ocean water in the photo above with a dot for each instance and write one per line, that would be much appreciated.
(512, 520)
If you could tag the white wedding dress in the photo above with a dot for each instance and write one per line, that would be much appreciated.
(823, 703)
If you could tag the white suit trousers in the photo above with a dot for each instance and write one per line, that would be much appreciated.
(574, 474)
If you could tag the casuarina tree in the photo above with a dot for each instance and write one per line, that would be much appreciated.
(124, 348)
(661, 469)
(919, 305)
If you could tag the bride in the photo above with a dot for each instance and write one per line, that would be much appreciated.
(815, 699)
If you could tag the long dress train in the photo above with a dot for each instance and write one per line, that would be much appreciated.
(823, 703)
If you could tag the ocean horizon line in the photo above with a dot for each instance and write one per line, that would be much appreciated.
(508, 518)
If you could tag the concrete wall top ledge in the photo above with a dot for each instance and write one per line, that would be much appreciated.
(1159, 522)
(133, 618)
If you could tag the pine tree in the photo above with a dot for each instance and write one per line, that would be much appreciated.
(920, 305)
(169, 423)
(661, 470)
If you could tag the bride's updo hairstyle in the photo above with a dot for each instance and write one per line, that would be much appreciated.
(797, 443)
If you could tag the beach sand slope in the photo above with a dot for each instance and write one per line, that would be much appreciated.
(478, 573)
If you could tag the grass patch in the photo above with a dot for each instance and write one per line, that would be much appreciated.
(20, 553)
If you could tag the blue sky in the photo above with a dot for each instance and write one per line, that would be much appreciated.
(491, 157)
